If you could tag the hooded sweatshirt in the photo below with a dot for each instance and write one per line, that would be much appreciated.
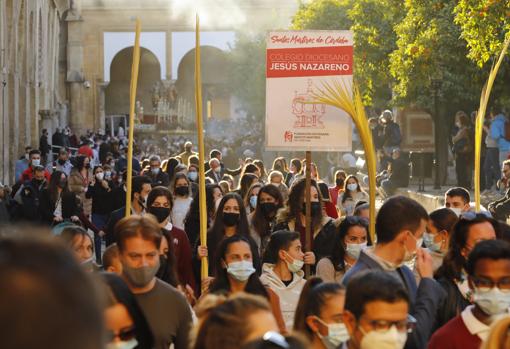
(289, 295)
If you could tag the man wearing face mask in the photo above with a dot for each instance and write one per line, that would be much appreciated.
(35, 160)
(156, 174)
(141, 186)
(61, 164)
(22, 163)
(400, 225)
(166, 310)
(457, 199)
(214, 171)
(376, 312)
(28, 196)
(488, 269)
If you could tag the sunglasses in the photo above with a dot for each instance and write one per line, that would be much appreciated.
(124, 334)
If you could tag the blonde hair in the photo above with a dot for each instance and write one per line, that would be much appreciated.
(498, 335)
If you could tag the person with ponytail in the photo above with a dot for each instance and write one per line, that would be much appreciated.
(319, 314)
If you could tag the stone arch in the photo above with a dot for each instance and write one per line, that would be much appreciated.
(117, 92)
(214, 80)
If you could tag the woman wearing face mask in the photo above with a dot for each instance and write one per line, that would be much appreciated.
(80, 243)
(437, 237)
(247, 180)
(250, 200)
(235, 272)
(79, 180)
(213, 195)
(281, 271)
(339, 187)
(159, 204)
(56, 202)
(319, 314)
(292, 217)
(352, 237)
(100, 191)
(124, 320)
(469, 230)
(182, 199)
(193, 178)
(263, 219)
(353, 193)
(230, 220)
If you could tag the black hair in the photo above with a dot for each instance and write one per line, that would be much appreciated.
(454, 261)
(280, 240)
(371, 286)
(323, 188)
(53, 185)
(398, 213)
(260, 223)
(444, 219)
(120, 293)
(459, 191)
(488, 249)
(137, 184)
(296, 202)
(80, 162)
(246, 182)
(214, 153)
(338, 252)
(41, 279)
(157, 192)
(178, 176)
(297, 164)
(33, 152)
(312, 300)
(192, 220)
(347, 193)
(221, 282)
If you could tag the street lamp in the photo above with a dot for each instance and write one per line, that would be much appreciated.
(435, 83)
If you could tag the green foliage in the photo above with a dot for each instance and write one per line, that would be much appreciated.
(428, 48)
(484, 24)
(322, 15)
(247, 78)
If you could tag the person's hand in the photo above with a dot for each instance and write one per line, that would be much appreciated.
(105, 184)
(75, 219)
(424, 264)
(101, 233)
(205, 284)
(92, 181)
(58, 218)
(309, 258)
(202, 251)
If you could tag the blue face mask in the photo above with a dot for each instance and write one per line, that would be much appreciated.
(429, 240)
(253, 201)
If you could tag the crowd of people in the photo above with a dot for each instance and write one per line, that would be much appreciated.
(420, 280)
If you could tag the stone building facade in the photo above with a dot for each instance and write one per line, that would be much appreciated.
(52, 57)
(32, 73)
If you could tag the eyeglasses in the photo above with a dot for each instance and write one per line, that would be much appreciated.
(276, 339)
(486, 284)
(123, 335)
(406, 325)
(470, 215)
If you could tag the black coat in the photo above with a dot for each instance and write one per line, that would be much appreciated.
(102, 199)
(70, 206)
(115, 217)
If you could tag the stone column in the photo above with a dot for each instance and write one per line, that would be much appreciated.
(101, 92)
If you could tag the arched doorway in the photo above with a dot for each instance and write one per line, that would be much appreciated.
(214, 80)
(117, 92)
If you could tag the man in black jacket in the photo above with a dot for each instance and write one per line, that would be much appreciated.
(398, 173)
(44, 146)
(156, 175)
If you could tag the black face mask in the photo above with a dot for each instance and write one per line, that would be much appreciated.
(87, 166)
(316, 208)
(38, 182)
(182, 191)
(268, 209)
(340, 182)
(61, 162)
(161, 213)
(230, 219)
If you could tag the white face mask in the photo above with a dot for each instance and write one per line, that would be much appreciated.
(492, 302)
(296, 264)
(456, 210)
(352, 187)
(123, 345)
(36, 162)
(253, 201)
(241, 271)
(409, 256)
(390, 339)
(100, 176)
(354, 250)
(337, 334)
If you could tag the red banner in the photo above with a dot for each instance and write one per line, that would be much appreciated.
(314, 61)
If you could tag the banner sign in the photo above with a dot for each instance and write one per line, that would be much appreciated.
(297, 63)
